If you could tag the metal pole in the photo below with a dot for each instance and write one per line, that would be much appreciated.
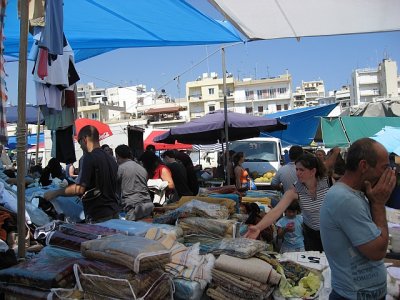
(227, 161)
(21, 127)
(37, 135)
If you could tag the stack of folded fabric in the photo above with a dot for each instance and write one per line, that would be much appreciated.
(240, 247)
(31, 279)
(71, 236)
(145, 257)
(137, 253)
(101, 280)
(191, 271)
(139, 228)
(194, 208)
(236, 278)
(205, 230)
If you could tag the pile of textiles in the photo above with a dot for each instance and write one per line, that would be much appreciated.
(240, 247)
(228, 203)
(34, 278)
(137, 253)
(206, 231)
(71, 236)
(263, 197)
(236, 278)
(191, 271)
(140, 228)
(52, 267)
(194, 208)
(105, 280)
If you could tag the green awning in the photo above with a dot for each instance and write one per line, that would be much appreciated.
(342, 131)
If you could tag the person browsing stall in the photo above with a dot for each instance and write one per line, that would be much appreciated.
(132, 183)
(179, 174)
(97, 180)
(241, 174)
(310, 190)
(354, 228)
(285, 177)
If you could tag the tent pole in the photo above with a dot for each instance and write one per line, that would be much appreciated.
(226, 161)
(21, 128)
(37, 135)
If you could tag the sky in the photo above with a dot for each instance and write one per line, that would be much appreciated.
(331, 59)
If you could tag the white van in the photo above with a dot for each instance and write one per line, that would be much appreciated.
(262, 154)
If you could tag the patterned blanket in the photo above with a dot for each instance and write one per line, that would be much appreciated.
(137, 253)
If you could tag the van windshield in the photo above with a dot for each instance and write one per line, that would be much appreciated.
(256, 151)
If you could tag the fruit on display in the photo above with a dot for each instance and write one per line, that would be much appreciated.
(266, 177)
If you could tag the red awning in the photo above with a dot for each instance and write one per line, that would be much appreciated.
(162, 146)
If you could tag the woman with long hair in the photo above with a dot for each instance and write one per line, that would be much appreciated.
(156, 169)
(241, 174)
(310, 190)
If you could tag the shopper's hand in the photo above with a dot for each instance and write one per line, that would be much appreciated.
(381, 191)
(252, 233)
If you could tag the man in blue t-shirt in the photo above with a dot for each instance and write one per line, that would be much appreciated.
(354, 229)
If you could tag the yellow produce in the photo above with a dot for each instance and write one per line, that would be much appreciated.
(268, 174)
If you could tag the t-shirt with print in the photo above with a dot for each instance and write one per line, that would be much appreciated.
(292, 240)
(346, 223)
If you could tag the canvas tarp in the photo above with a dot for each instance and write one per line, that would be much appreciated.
(272, 19)
(93, 27)
(302, 123)
(343, 131)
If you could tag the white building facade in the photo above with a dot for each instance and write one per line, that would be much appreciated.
(369, 85)
(263, 96)
(251, 96)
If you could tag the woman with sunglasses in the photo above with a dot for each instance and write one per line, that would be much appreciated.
(310, 190)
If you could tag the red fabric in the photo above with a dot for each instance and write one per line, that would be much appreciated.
(42, 65)
(70, 99)
(3, 217)
(158, 170)
(163, 146)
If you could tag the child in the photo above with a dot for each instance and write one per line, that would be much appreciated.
(291, 230)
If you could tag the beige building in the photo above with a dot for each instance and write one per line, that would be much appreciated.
(206, 94)
(308, 93)
(251, 96)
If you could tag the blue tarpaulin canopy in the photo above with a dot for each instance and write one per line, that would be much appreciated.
(30, 138)
(302, 124)
(93, 27)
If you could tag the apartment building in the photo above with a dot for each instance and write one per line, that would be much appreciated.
(369, 84)
(263, 96)
(308, 93)
(206, 94)
(251, 96)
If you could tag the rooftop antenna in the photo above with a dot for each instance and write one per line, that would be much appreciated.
(208, 62)
(267, 71)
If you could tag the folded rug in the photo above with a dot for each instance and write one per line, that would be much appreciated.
(240, 247)
(252, 268)
(137, 253)
(96, 284)
(243, 287)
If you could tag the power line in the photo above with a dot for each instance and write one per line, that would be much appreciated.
(177, 77)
